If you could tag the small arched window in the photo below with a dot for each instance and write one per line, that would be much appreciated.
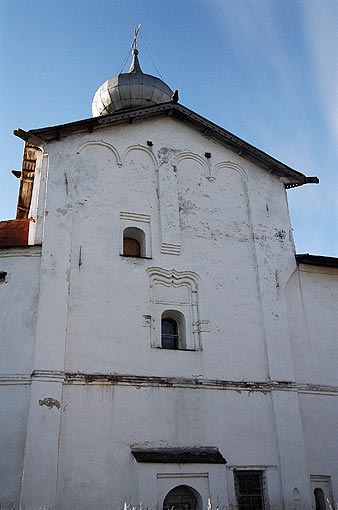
(134, 244)
(172, 330)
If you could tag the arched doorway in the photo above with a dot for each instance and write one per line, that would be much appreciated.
(319, 499)
(182, 497)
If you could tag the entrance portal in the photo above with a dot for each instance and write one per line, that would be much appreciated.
(319, 499)
(182, 497)
(322, 493)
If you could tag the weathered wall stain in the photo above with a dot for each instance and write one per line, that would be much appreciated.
(280, 234)
(166, 154)
(61, 211)
(66, 182)
(3, 275)
(50, 403)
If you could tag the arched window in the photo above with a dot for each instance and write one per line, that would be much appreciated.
(183, 497)
(172, 330)
(134, 244)
(169, 333)
(174, 295)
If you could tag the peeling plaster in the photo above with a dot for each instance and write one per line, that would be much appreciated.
(50, 403)
(3, 275)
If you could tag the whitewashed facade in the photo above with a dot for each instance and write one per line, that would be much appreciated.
(89, 394)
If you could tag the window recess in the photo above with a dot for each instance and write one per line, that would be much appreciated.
(174, 315)
(172, 330)
(249, 489)
(135, 235)
(134, 242)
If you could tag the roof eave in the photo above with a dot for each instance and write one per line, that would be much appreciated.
(316, 260)
(290, 177)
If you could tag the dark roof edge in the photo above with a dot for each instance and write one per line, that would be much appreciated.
(290, 177)
(317, 260)
(189, 455)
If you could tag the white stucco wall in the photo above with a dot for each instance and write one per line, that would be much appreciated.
(221, 226)
(215, 231)
(18, 303)
(101, 423)
(313, 312)
(320, 418)
(18, 310)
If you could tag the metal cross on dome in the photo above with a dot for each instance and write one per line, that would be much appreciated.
(134, 42)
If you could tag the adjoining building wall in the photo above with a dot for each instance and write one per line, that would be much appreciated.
(319, 418)
(313, 310)
(19, 293)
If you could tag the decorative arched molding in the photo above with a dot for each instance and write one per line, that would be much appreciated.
(228, 165)
(102, 144)
(171, 277)
(143, 149)
(296, 494)
(184, 299)
(195, 157)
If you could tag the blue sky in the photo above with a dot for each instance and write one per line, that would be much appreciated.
(265, 70)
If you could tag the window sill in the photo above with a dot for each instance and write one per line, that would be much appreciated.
(186, 349)
(134, 257)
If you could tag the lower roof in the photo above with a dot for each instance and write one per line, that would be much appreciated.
(316, 260)
(14, 232)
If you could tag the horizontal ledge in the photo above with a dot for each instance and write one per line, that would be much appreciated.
(190, 455)
(196, 383)
(138, 381)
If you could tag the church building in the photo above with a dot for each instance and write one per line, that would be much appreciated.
(163, 345)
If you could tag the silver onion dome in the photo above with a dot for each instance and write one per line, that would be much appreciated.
(130, 90)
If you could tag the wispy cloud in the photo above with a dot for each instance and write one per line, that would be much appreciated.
(289, 54)
(320, 22)
(254, 29)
